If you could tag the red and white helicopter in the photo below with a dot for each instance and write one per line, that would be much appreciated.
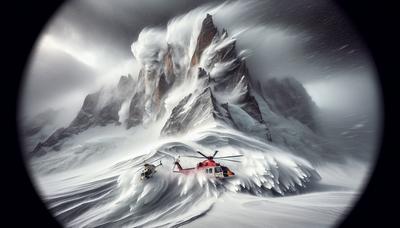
(208, 166)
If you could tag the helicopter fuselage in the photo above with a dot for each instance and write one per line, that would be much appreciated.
(148, 171)
(209, 167)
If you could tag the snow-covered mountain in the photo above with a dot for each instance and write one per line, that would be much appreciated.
(215, 86)
(194, 91)
(197, 97)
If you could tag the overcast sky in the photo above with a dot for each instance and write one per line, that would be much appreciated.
(89, 41)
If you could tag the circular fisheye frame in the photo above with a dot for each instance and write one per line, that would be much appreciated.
(200, 113)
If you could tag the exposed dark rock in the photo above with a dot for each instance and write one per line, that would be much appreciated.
(202, 73)
(162, 87)
(39, 150)
(90, 103)
(109, 113)
(90, 114)
(203, 108)
(169, 66)
(174, 124)
(56, 136)
(250, 105)
(82, 121)
(207, 33)
(86, 116)
(239, 76)
(136, 109)
(227, 114)
(205, 76)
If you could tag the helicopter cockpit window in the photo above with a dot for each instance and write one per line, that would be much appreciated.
(147, 172)
(218, 169)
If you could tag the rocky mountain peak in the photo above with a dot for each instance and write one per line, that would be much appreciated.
(192, 110)
(206, 35)
(227, 97)
(169, 66)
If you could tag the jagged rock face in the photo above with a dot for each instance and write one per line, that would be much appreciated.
(202, 73)
(288, 97)
(250, 105)
(207, 33)
(237, 75)
(235, 81)
(153, 84)
(91, 114)
(109, 114)
(136, 105)
(169, 67)
(156, 80)
(136, 110)
(190, 113)
(161, 89)
(90, 104)
(175, 122)
(86, 116)
(226, 53)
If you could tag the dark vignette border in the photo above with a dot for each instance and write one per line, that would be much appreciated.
(25, 20)
(375, 22)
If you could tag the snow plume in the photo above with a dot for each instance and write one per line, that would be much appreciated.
(184, 30)
(150, 47)
(182, 33)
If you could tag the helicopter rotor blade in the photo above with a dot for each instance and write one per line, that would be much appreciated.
(215, 153)
(202, 154)
(147, 161)
(190, 156)
(232, 156)
(228, 160)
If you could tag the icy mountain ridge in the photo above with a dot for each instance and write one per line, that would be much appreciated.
(218, 88)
